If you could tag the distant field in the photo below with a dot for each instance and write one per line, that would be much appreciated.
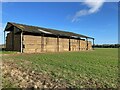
(98, 68)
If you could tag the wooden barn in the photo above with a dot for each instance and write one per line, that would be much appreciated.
(33, 39)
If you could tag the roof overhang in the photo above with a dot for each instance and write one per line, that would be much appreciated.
(40, 30)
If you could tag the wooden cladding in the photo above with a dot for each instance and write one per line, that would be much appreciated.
(13, 42)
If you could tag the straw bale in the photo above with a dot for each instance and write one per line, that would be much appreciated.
(33, 44)
(74, 44)
(50, 44)
(89, 45)
(29, 50)
(83, 45)
(63, 44)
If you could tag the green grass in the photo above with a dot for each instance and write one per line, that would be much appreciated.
(100, 66)
(8, 52)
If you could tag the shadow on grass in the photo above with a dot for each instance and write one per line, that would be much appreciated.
(3, 51)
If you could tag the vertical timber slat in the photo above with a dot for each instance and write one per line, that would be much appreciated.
(87, 43)
(13, 39)
(21, 42)
(4, 41)
(79, 44)
(69, 45)
(93, 43)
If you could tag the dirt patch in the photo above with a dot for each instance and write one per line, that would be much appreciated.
(25, 78)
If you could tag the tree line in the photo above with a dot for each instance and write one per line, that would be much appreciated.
(107, 46)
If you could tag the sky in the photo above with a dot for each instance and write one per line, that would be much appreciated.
(94, 19)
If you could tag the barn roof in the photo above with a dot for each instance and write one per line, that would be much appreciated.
(35, 29)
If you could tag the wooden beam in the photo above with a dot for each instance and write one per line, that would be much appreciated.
(42, 43)
(93, 44)
(21, 46)
(69, 45)
(79, 44)
(87, 43)
(4, 41)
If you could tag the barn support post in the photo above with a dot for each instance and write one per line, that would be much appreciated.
(69, 45)
(42, 43)
(4, 41)
(93, 43)
(21, 50)
(58, 43)
(87, 43)
(79, 44)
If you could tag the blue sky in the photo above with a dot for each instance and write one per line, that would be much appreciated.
(101, 23)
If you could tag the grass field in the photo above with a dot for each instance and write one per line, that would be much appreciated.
(98, 68)
(7, 52)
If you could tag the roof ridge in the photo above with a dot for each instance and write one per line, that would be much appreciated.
(52, 30)
(23, 24)
(39, 27)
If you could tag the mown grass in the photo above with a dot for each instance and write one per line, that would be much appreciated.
(76, 68)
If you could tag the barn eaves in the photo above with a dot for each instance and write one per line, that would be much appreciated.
(41, 30)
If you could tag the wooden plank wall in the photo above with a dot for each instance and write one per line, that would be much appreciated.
(9, 41)
(17, 42)
(12, 42)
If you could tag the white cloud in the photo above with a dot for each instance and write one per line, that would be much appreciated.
(93, 6)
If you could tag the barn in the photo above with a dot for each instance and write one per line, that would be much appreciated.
(33, 39)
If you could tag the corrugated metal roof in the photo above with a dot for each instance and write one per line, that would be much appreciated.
(35, 29)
